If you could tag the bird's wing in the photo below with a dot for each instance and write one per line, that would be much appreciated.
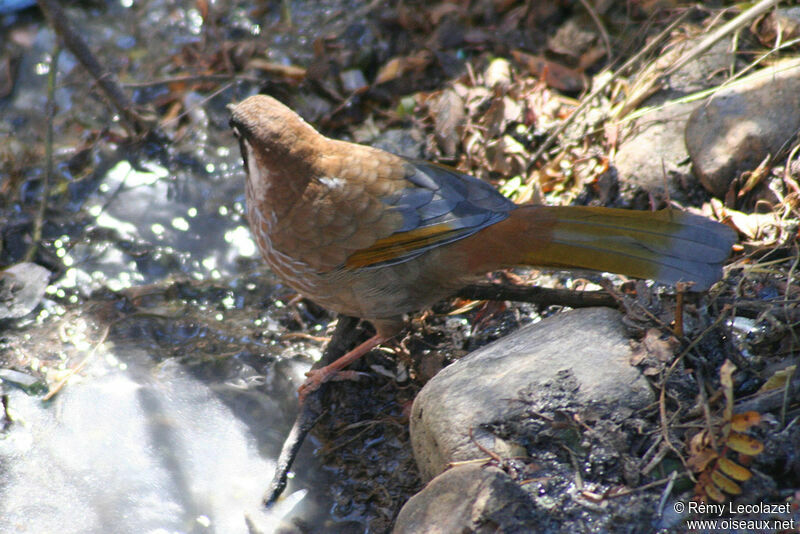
(436, 205)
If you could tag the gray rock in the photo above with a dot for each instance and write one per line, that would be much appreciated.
(654, 157)
(468, 498)
(589, 344)
(22, 287)
(740, 125)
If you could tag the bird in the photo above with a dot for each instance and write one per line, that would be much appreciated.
(374, 235)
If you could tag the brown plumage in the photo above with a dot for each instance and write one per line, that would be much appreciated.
(370, 234)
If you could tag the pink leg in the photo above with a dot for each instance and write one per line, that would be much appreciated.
(317, 377)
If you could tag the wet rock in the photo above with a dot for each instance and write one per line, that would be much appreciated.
(739, 126)
(353, 80)
(589, 345)
(27, 382)
(21, 289)
(653, 153)
(468, 498)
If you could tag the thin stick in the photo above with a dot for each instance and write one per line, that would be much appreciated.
(538, 295)
(50, 112)
(662, 400)
(311, 411)
(58, 19)
(78, 368)
(600, 27)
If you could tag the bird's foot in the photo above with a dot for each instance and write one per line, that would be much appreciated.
(317, 377)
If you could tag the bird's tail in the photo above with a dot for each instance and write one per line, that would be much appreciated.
(667, 245)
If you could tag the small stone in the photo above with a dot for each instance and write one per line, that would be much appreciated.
(468, 498)
(353, 80)
(22, 287)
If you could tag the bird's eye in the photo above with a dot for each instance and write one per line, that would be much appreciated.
(244, 148)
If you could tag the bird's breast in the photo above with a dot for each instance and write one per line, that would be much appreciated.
(263, 223)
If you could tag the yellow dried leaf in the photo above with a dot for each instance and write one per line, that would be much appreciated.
(712, 491)
(391, 70)
(733, 470)
(740, 422)
(724, 483)
(755, 226)
(778, 379)
(726, 380)
(398, 66)
(744, 444)
(756, 177)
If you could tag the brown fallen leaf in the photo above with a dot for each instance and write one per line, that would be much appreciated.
(286, 71)
(554, 74)
(398, 66)
(447, 111)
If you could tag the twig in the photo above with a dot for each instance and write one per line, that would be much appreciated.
(312, 410)
(72, 372)
(190, 78)
(207, 98)
(50, 112)
(680, 292)
(57, 17)
(665, 494)
(627, 491)
(703, 401)
(491, 454)
(662, 400)
(657, 457)
(538, 295)
(600, 27)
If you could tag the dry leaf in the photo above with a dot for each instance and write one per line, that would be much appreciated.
(724, 483)
(698, 462)
(447, 111)
(755, 177)
(733, 470)
(744, 444)
(726, 380)
(756, 226)
(712, 491)
(663, 349)
(498, 73)
(778, 380)
(554, 74)
(740, 422)
(286, 71)
(398, 66)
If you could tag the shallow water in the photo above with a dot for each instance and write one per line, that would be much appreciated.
(159, 316)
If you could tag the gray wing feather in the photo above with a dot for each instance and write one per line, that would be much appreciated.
(440, 195)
